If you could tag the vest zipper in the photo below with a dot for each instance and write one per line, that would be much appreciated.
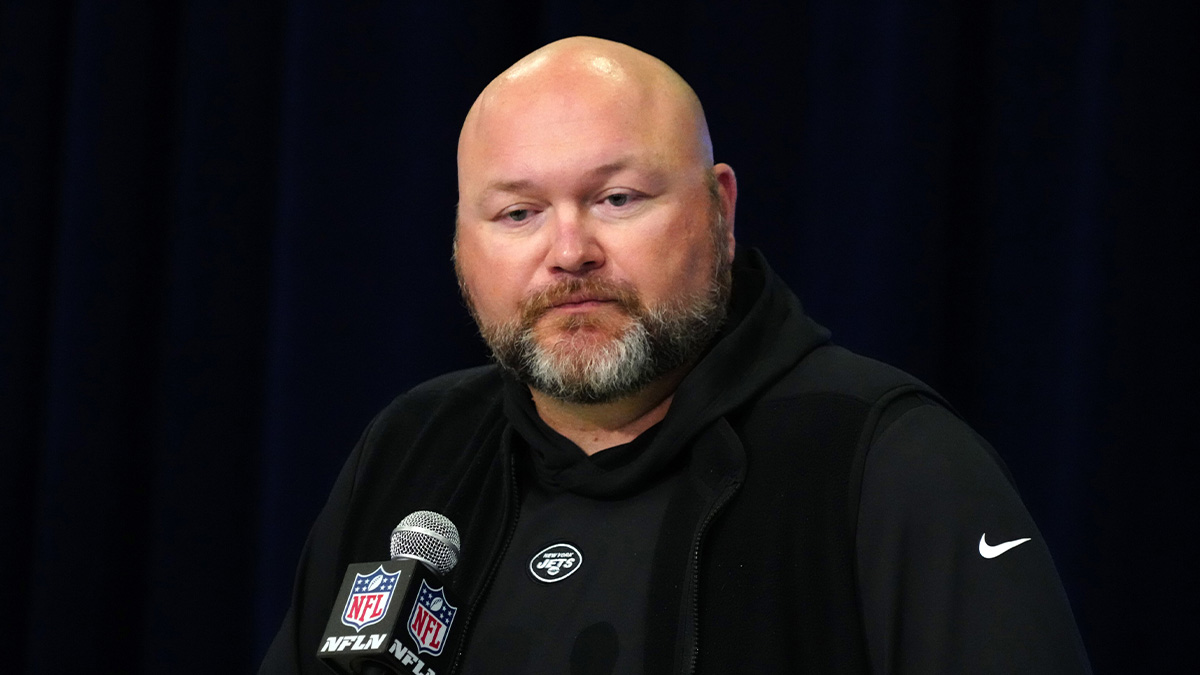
(513, 501)
(722, 499)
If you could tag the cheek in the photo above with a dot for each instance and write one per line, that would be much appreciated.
(679, 263)
(493, 282)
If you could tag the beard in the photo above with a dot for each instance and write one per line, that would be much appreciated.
(616, 350)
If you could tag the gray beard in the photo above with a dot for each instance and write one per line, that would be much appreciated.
(654, 343)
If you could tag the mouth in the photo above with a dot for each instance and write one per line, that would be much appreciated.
(578, 300)
(581, 301)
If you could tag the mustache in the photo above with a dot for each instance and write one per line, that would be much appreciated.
(571, 290)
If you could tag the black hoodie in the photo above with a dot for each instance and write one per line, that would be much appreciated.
(832, 517)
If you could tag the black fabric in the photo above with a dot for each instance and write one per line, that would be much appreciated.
(470, 465)
(557, 464)
(761, 556)
(224, 241)
(788, 527)
(530, 626)
(1004, 607)
(610, 507)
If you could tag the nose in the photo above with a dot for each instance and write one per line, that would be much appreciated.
(575, 249)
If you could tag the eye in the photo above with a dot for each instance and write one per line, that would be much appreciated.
(619, 199)
(517, 215)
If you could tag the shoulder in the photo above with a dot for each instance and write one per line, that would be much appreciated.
(836, 371)
(911, 448)
(881, 433)
(852, 395)
(459, 385)
(907, 419)
(920, 442)
(442, 412)
(457, 392)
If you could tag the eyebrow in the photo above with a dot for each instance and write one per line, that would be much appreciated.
(601, 171)
(507, 186)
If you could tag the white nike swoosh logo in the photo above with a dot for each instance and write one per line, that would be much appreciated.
(993, 551)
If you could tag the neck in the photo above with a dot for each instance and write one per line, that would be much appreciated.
(596, 426)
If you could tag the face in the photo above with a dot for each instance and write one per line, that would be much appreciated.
(591, 242)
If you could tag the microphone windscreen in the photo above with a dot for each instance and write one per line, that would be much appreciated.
(427, 537)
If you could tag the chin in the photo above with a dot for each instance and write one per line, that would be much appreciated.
(578, 331)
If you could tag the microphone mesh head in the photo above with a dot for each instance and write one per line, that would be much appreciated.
(428, 537)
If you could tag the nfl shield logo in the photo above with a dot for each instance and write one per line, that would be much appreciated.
(369, 598)
(430, 621)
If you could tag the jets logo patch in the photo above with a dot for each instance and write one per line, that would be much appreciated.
(555, 563)
(369, 598)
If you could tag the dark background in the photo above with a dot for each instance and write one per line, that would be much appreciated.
(224, 245)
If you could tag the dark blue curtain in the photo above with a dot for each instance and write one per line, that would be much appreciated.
(224, 245)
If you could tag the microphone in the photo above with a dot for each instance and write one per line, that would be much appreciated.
(395, 616)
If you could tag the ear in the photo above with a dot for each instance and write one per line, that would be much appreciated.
(727, 187)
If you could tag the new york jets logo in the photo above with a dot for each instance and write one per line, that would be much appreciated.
(555, 563)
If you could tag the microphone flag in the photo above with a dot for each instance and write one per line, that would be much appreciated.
(370, 596)
(430, 621)
(393, 615)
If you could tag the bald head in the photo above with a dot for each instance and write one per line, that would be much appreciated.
(582, 118)
(586, 77)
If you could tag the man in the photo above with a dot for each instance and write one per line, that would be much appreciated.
(732, 492)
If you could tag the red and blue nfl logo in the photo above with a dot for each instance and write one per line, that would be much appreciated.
(429, 623)
(369, 598)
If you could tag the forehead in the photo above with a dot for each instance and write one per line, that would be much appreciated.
(539, 127)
